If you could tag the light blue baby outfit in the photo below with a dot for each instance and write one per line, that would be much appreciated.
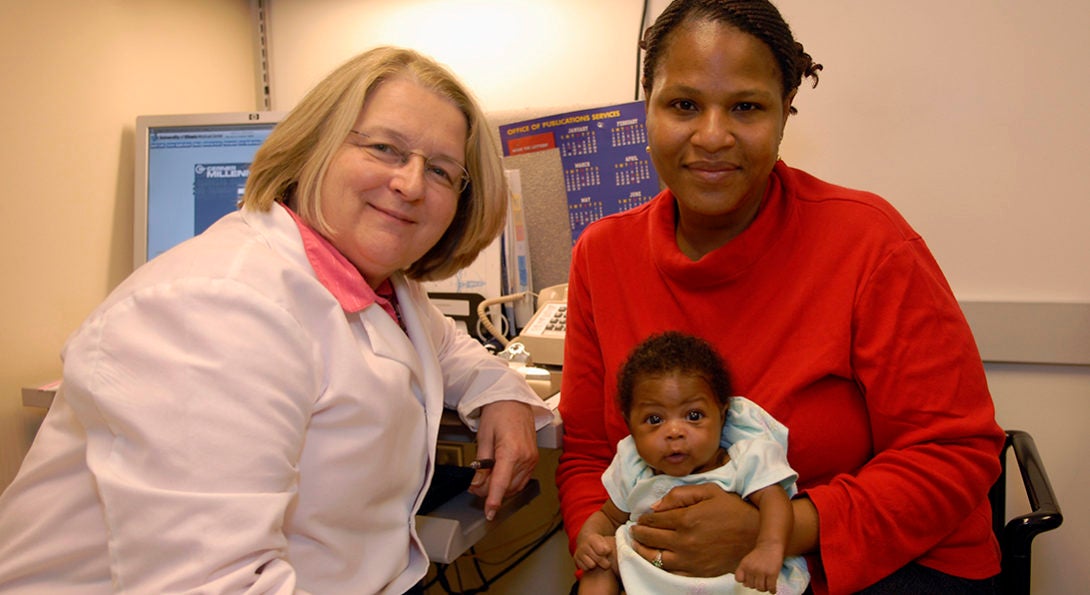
(757, 445)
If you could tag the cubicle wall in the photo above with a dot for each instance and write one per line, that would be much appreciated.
(545, 202)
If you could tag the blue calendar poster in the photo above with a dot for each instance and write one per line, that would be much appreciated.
(603, 152)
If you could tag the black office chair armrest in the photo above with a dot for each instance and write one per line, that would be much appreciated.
(1016, 535)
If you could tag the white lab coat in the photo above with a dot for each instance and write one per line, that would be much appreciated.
(225, 426)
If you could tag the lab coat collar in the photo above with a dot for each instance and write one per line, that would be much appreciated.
(336, 273)
(387, 338)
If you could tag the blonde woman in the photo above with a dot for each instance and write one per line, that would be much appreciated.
(256, 409)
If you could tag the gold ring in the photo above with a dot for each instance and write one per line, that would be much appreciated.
(657, 562)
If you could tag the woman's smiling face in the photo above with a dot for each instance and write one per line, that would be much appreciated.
(715, 117)
(382, 217)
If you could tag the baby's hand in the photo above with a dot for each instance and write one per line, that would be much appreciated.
(594, 551)
(760, 569)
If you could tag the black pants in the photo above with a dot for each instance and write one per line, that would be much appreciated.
(921, 580)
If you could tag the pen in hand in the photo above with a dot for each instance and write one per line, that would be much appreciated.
(479, 479)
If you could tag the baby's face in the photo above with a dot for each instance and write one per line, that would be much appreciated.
(676, 423)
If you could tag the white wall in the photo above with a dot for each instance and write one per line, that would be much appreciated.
(512, 53)
(968, 116)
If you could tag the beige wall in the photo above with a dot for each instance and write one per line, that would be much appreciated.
(74, 76)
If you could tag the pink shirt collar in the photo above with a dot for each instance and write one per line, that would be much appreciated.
(339, 276)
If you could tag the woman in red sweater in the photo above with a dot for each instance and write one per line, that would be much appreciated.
(833, 312)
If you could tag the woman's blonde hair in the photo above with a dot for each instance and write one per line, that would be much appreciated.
(291, 164)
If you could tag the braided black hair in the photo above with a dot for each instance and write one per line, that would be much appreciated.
(673, 352)
(758, 18)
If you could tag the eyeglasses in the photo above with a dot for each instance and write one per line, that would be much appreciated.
(442, 173)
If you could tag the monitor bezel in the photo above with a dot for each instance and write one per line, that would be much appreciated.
(144, 125)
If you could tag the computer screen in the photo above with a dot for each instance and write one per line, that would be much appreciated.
(191, 170)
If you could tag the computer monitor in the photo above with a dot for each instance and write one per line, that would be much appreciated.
(190, 171)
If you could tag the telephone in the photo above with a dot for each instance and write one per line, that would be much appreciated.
(543, 335)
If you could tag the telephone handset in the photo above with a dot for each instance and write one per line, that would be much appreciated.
(543, 335)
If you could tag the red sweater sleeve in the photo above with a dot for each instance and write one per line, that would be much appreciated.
(932, 428)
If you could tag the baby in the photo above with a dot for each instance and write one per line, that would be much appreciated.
(685, 428)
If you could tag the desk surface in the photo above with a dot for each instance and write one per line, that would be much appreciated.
(453, 527)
